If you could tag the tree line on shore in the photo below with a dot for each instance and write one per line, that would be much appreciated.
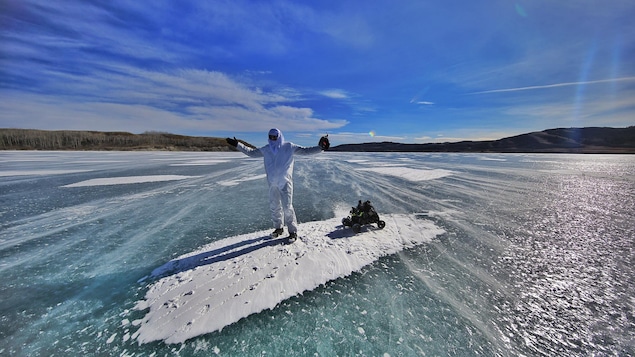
(29, 139)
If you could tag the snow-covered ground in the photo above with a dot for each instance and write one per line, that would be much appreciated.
(235, 277)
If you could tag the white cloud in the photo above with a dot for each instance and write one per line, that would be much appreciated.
(125, 98)
(335, 94)
(356, 137)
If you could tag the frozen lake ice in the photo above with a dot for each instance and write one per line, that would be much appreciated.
(531, 254)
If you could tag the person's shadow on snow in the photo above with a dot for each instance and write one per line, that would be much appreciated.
(229, 252)
(214, 256)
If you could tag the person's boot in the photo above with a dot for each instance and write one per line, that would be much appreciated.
(277, 233)
(293, 236)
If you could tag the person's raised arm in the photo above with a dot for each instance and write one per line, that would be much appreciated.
(243, 148)
(323, 145)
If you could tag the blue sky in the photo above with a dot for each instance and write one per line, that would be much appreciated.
(405, 71)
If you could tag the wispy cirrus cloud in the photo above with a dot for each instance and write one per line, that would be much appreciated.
(556, 85)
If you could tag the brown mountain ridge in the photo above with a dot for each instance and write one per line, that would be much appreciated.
(561, 140)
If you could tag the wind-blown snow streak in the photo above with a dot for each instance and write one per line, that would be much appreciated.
(230, 279)
(238, 181)
(410, 174)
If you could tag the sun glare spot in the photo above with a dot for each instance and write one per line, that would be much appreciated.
(520, 11)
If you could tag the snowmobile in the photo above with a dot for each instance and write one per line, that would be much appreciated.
(361, 215)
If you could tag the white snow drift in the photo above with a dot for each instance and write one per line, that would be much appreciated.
(230, 279)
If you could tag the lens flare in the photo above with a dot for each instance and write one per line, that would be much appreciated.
(520, 11)
(372, 133)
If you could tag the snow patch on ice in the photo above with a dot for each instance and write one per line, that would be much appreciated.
(201, 162)
(230, 279)
(128, 180)
(487, 158)
(386, 165)
(111, 339)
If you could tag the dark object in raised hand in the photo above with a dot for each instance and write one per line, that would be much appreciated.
(233, 142)
(324, 142)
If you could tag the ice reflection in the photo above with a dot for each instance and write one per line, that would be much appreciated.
(570, 297)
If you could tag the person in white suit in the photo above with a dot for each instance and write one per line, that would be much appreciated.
(278, 159)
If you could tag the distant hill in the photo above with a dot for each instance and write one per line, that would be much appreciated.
(562, 140)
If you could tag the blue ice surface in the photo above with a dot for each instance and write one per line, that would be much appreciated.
(534, 261)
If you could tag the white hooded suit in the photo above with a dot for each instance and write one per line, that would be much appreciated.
(278, 158)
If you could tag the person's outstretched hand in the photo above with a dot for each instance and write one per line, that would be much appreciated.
(324, 142)
(233, 142)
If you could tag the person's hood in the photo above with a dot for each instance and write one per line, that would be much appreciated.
(276, 144)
